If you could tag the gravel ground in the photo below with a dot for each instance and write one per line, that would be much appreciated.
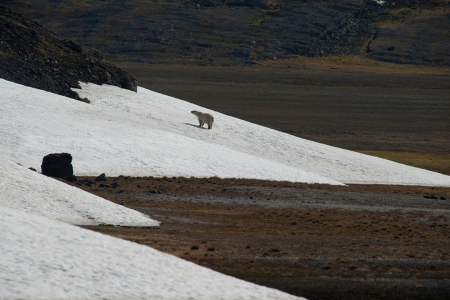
(318, 199)
(316, 241)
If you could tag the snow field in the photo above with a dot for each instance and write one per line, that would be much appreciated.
(137, 134)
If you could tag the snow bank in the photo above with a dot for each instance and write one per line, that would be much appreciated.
(46, 259)
(274, 148)
(149, 134)
(28, 191)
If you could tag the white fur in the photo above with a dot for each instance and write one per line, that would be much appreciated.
(204, 118)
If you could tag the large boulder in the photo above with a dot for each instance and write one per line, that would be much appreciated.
(58, 165)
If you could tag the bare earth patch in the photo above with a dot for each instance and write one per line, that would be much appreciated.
(316, 241)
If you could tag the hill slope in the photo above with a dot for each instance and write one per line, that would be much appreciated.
(219, 32)
(149, 134)
(36, 57)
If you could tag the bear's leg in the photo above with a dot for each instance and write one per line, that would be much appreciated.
(202, 123)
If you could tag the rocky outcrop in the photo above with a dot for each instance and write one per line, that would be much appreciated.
(35, 57)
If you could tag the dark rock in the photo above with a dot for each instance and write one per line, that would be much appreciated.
(74, 46)
(58, 158)
(101, 177)
(72, 178)
(87, 182)
(58, 165)
(115, 185)
(155, 192)
(442, 198)
(35, 57)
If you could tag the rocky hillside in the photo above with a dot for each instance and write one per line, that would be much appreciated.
(223, 32)
(415, 34)
(33, 56)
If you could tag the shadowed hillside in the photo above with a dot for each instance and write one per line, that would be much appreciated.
(220, 32)
(33, 56)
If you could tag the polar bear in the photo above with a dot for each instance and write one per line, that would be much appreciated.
(204, 118)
